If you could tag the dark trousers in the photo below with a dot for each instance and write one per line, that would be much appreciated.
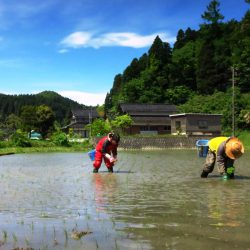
(208, 166)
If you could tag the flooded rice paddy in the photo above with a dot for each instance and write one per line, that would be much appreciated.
(153, 200)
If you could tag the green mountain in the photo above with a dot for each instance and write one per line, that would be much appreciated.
(199, 64)
(12, 104)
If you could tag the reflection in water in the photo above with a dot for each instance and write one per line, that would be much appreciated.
(225, 205)
(153, 200)
(104, 188)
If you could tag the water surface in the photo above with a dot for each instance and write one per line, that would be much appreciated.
(153, 200)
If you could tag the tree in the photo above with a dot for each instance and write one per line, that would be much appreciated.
(29, 118)
(13, 122)
(45, 119)
(180, 39)
(178, 95)
(121, 122)
(60, 139)
(184, 66)
(99, 127)
(100, 110)
(20, 139)
(159, 53)
(212, 15)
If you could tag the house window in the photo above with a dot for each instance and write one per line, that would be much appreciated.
(167, 128)
(148, 128)
(144, 128)
(202, 124)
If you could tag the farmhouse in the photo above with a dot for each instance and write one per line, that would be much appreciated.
(149, 118)
(81, 118)
(196, 124)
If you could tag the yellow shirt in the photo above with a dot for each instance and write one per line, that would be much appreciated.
(215, 143)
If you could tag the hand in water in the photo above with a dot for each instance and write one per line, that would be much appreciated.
(112, 159)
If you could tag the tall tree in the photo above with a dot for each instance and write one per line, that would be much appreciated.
(160, 53)
(45, 119)
(213, 15)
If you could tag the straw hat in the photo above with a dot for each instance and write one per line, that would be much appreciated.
(234, 148)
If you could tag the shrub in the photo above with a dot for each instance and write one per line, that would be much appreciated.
(60, 139)
(20, 139)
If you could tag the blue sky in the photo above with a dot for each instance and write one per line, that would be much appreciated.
(77, 47)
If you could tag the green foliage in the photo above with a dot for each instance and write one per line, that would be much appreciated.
(39, 118)
(121, 122)
(20, 139)
(178, 95)
(45, 119)
(213, 13)
(60, 139)
(13, 122)
(99, 127)
(195, 73)
(61, 106)
(100, 110)
(28, 118)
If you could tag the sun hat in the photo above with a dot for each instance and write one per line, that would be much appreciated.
(234, 148)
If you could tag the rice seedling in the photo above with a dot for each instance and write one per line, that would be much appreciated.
(27, 242)
(14, 238)
(5, 236)
(54, 233)
(96, 243)
(66, 235)
(116, 245)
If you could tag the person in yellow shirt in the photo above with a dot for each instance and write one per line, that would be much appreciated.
(224, 151)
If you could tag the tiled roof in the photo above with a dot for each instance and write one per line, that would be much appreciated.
(148, 109)
(87, 112)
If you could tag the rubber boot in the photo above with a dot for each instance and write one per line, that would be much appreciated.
(95, 170)
(204, 174)
(110, 170)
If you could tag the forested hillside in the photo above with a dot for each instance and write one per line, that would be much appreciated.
(195, 72)
(16, 104)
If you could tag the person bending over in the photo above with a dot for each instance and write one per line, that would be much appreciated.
(224, 151)
(106, 149)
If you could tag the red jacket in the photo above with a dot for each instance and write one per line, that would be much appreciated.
(106, 147)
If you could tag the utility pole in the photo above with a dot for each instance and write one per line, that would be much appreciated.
(233, 104)
(90, 120)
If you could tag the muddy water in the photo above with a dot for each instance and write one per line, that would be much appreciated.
(153, 200)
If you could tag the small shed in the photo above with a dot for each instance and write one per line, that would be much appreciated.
(149, 118)
(196, 124)
(33, 135)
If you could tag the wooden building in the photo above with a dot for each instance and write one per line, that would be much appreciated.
(196, 124)
(149, 118)
(81, 118)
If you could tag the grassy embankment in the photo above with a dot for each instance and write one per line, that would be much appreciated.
(46, 146)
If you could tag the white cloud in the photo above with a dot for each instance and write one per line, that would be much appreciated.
(63, 51)
(76, 39)
(123, 39)
(89, 99)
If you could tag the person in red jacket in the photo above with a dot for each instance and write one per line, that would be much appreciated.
(106, 149)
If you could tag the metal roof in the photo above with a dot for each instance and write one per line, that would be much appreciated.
(194, 114)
